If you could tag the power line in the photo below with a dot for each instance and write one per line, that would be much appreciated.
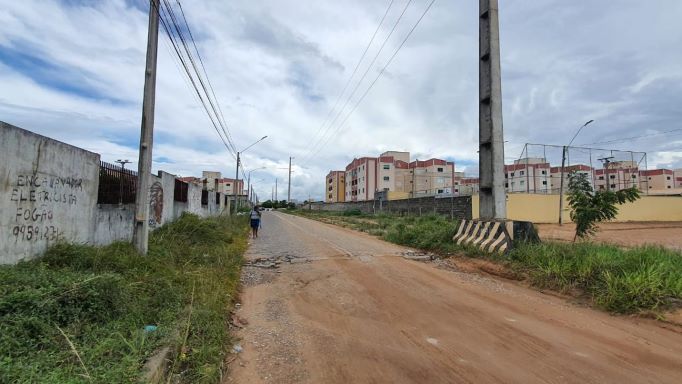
(226, 129)
(362, 57)
(194, 66)
(375, 79)
(369, 67)
(164, 18)
(634, 137)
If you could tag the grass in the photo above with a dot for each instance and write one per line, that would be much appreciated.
(634, 280)
(615, 279)
(78, 314)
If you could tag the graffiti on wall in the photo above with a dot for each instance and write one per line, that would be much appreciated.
(37, 197)
(155, 204)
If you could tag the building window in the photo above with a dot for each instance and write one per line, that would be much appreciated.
(386, 178)
(613, 185)
(601, 177)
(506, 185)
(440, 169)
(667, 178)
(543, 172)
(601, 187)
(387, 166)
(512, 174)
(522, 182)
(634, 176)
(612, 176)
(522, 173)
(668, 187)
(441, 191)
(544, 183)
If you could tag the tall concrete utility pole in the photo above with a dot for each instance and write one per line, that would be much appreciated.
(234, 187)
(144, 170)
(493, 204)
(289, 188)
(275, 189)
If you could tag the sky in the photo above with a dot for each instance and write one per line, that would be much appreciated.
(74, 71)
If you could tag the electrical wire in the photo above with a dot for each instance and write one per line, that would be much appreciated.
(375, 79)
(226, 129)
(634, 137)
(166, 25)
(312, 152)
(345, 87)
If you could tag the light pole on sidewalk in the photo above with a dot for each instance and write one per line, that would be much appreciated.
(236, 174)
(563, 164)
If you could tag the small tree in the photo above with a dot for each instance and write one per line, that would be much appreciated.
(589, 207)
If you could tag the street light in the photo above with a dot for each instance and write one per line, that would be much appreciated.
(236, 176)
(120, 180)
(563, 164)
(248, 189)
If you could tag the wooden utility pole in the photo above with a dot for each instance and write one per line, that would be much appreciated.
(144, 170)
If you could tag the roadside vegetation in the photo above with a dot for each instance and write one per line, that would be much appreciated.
(95, 314)
(635, 280)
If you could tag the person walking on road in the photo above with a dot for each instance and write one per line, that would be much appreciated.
(255, 221)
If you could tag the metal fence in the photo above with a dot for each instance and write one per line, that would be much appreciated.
(116, 184)
(180, 191)
(539, 169)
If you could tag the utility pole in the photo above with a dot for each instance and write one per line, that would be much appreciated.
(144, 171)
(289, 188)
(276, 189)
(236, 178)
(493, 203)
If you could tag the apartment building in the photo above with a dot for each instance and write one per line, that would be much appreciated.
(430, 177)
(657, 180)
(555, 176)
(227, 185)
(212, 181)
(361, 179)
(678, 178)
(529, 175)
(335, 187)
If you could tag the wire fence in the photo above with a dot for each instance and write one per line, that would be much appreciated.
(544, 169)
(117, 185)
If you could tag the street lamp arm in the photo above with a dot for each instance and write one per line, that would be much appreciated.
(579, 129)
(258, 141)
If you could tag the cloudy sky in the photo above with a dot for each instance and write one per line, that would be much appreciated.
(74, 70)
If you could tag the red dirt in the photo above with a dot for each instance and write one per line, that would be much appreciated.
(357, 312)
(667, 234)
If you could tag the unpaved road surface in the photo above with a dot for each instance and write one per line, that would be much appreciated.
(358, 312)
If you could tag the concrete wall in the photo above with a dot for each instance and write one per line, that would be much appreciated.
(113, 223)
(48, 193)
(457, 207)
(545, 208)
(520, 206)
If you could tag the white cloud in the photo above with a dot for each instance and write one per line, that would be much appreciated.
(278, 67)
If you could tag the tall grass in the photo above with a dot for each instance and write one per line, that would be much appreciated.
(618, 280)
(103, 297)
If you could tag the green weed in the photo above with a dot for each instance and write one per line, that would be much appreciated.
(102, 297)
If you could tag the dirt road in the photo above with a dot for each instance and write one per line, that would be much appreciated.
(357, 312)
